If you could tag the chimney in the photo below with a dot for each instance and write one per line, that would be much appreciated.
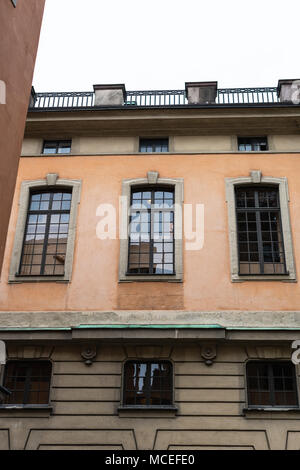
(201, 92)
(110, 95)
(289, 91)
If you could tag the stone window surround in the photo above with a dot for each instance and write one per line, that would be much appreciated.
(52, 181)
(152, 178)
(282, 184)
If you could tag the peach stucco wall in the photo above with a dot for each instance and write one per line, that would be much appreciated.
(207, 284)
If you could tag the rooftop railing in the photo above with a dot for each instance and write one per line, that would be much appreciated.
(156, 98)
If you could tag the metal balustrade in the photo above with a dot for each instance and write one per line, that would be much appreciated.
(154, 98)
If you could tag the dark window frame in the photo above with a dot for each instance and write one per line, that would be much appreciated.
(154, 143)
(31, 365)
(57, 145)
(257, 209)
(272, 401)
(152, 210)
(48, 213)
(253, 142)
(147, 380)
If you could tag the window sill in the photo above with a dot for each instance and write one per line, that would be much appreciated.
(271, 409)
(21, 279)
(150, 278)
(56, 154)
(44, 409)
(150, 411)
(263, 277)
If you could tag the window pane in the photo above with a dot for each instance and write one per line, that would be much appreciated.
(57, 146)
(148, 383)
(271, 384)
(46, 234)
(251, 144)
(28, 381)
(151, 232)
(260, 240)
(154, 145)
(49, 150)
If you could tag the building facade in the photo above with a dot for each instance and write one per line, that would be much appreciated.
(20, 24)
(149, 296)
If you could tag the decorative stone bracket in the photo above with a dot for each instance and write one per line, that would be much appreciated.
(88, 354)
(209, 353)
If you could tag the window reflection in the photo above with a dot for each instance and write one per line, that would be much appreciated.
(148, 383)
(151, 241)
(46, 234)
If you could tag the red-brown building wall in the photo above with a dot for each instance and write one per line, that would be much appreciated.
(19, 37)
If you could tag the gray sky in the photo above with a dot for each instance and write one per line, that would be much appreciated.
(161, 44)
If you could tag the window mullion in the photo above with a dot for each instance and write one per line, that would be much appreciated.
(46, 235)
(271, 381)
(259, 234)
(27, 385)
(152, 212)
(148, 383)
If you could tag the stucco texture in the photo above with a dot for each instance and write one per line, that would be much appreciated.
(206, 283)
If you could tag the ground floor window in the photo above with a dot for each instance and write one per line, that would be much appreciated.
(28, 382)
(148, 383)
(271, 384)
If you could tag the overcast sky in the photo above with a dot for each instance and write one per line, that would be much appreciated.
(161, 44)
